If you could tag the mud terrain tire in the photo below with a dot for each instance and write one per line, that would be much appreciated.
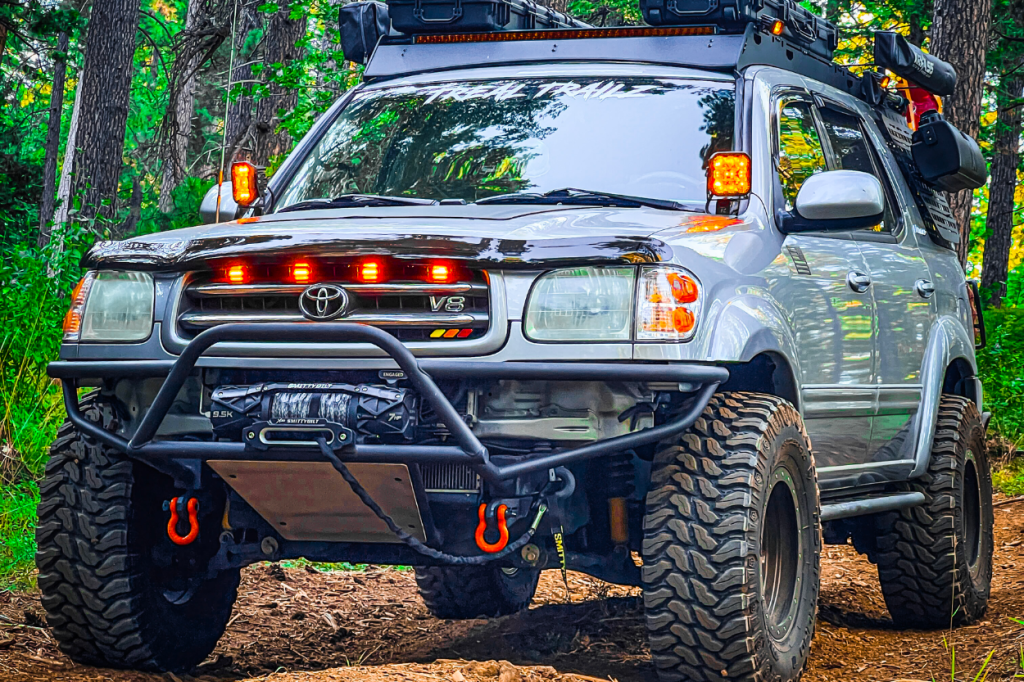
(463, 592)
(732, 545)
(935, 560)
(95, 570)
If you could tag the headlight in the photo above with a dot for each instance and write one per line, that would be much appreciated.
(583, 304)
(111, 306)
(668, 302)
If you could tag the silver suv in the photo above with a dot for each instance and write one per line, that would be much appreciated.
(669, 307)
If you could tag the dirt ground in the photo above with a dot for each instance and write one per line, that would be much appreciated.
(298, 625)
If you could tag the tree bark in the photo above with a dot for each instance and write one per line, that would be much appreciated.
(239, 113)
(279, 50)
(959, 35)
(183, 101)
(48, 200)
(1002, 186)
(105, 85)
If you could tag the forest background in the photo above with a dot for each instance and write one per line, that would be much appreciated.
(116, 116)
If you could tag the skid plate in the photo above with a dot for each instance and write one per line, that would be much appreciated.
(311, 501)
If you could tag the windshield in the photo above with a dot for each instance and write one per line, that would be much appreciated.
(645, 137)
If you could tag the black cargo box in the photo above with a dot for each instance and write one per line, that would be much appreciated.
(443, 16)
(732, 16)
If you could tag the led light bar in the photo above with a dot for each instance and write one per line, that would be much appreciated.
(563, 34)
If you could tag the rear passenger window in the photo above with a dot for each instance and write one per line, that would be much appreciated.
(851, 152)
(800, 151)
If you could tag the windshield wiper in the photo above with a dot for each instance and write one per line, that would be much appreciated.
(571, 195)
(349, 200)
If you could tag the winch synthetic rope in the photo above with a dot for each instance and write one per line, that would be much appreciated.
(412, 542)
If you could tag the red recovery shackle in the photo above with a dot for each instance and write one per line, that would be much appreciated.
(481, 528)
(193, 521)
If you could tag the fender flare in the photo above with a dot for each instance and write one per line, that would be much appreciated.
(749, 326)
(948, 342)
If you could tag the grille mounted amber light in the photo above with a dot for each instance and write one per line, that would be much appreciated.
(729, 175)
(237, 274)
(302, 272)
(243, 183)
(439, 273)
(369, 272)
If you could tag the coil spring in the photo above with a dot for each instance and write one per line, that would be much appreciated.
(619, 471)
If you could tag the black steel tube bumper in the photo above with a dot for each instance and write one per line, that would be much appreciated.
(468, 449)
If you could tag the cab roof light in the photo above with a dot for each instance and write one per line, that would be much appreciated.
(237, 274)
(729, 174)
(370, 272)
(302, 272)
(564, 34)
(243, 183)
(777, 27)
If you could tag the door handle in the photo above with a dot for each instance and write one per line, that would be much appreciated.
(924, 288)
(858, 281)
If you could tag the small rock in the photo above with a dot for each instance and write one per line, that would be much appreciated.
(509, 673)
(458, 677)
(484, 668)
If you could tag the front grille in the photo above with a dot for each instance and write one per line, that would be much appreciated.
(449, 478)
(411, 310)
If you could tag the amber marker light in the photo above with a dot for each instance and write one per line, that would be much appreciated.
(684, 289)
(777, 27)
(73, 318)
(237, 274)
(302, 273)
(439, 273)
(243, 183)
(729, 174)
(369, 272)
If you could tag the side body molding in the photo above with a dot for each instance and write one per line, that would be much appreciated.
(947, 342)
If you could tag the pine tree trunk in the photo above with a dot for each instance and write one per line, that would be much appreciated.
(105, 85)
(239, 113)
(959, 35)
(1002, 186)
(183, 101)
(279, 50)
(48, 200)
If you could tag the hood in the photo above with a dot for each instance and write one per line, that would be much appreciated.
(513, 236)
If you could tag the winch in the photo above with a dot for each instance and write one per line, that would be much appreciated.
(267, 414)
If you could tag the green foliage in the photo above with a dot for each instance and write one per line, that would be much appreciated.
(999, 365)
(17, 534)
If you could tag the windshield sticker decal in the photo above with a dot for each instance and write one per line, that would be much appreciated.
(501, 92)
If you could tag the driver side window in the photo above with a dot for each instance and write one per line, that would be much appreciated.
(800, 151)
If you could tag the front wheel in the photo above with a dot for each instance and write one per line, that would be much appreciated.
(113, 588)
(732, 545)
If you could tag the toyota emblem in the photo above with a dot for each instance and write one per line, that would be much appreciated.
(323, 302)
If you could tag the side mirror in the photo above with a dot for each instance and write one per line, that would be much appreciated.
(836, 200)
(228, 207)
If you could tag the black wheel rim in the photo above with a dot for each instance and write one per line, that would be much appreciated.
(781, 554)
(972, 513)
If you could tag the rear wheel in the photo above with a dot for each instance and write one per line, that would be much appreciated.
(115, 593)
(732, 545)
(935, 560)
(461, 592)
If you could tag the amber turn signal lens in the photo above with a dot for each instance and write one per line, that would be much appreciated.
(237, 274)
(369, 271)
(729, 174)
(302, 273)
(777, 27)
(684, 289)
(243, 183)
(73, 318)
